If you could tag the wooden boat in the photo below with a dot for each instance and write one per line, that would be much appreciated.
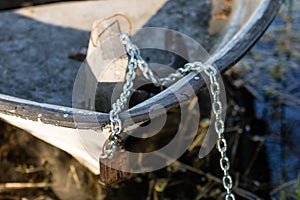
(240, 24)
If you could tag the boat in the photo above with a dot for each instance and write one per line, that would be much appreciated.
(233, 27)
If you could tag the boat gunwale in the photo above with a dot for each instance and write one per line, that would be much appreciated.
(226, 57)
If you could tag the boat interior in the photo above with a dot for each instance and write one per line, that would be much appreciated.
(44, 47)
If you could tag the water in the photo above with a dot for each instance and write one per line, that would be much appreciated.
(271, 72)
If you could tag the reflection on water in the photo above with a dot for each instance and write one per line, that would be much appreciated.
(271, 72)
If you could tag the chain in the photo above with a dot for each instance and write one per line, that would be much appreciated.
(111, 145)
(136, 61)
(142, 65)
(217, 108)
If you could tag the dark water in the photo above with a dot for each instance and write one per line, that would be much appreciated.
(271, 72)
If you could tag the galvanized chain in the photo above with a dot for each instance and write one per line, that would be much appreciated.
(179, 73)
(111, 144)
(217, 109)
(135, 60)
(142, 65)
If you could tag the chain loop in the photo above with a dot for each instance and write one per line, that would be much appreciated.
(215, 88)
(217, 107)
(219, 126)
(229, 196)
(224, 163)
(227, 182)
(211, 72)
(136, 61)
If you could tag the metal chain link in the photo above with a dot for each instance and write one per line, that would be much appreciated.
(135, 60)
(217, 109)
(142, 65)
(111, 145)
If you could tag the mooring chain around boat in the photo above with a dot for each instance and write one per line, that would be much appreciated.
(114, 141)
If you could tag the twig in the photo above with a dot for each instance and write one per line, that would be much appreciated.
(16, 186)
(252, 161)
(210, 177)
(246, 194)
(284, 185)
(190, 168)
(202, 191)
(198, 139)
(235, 146)
(73, 175)
(150, 189)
